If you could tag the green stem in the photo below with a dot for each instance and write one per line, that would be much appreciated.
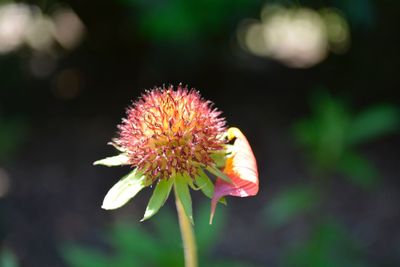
(188, 238)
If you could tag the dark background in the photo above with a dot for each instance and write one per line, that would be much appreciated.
(54, 124)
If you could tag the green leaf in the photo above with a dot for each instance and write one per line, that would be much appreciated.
(374, 122)
(182, 191)
(124, 190)
(358, 170)
(291, 203)
(190, 181)
(204, 182)
(206, 185)
(217, 172)
(160, 195)
(121, 159)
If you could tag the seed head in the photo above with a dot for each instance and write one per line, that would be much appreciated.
(171, 131)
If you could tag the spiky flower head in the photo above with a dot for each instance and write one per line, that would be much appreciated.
(170, 137)
(171, 131)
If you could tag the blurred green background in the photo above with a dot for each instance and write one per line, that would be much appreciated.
(314, 84)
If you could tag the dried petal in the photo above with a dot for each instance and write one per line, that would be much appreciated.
(240, 167)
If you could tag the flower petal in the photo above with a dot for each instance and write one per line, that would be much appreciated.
(240, 167)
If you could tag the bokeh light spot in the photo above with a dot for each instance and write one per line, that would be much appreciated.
(69, 28)
(298, 37)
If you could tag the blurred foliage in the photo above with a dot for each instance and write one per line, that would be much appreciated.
(133, 246)
(331, 134)
(361, 13)
(7, 258)
(290, 203)
(187, 20)
(12, 133)
(329, 246)
(329, 137)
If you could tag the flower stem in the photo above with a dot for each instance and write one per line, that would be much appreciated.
(188, 238)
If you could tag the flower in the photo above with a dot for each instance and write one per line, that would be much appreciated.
(167, 131)
(169, 138)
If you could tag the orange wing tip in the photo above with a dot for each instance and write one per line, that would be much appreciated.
(241, 167)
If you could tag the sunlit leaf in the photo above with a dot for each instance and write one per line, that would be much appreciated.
(160, 195)
(182, 191)
(121, 159)
(124, 190)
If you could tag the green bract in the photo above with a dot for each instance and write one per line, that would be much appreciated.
(131, 184)
(182, 192)
(124, 190)
(160, 195)
(119, 160)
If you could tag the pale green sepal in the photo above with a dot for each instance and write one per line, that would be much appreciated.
(204, 182)
(124, 190)
(158, 198)
(189, 180)
(219, 174)
(182, 192)
(206, 185)
(121, 159)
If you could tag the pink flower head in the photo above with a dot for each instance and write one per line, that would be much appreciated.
(170, 137)
(168, 132)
